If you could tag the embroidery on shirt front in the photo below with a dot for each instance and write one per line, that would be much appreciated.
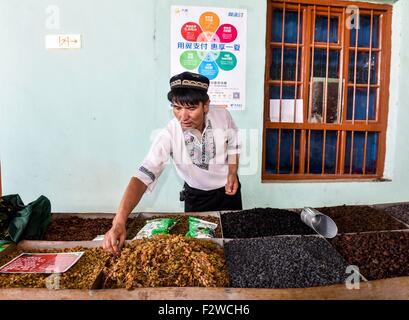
(201, 153)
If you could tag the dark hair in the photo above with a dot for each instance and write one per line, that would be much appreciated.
(187, 96)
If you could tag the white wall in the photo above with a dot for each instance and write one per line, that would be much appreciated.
(74, 125)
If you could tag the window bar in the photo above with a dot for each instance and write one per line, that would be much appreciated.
(364, 164)
(296, 84)
(340, 169)
(287, 82)
(301, 72)
(312, 66)
(341, 68)
(302, 151)
(293, 154)
(378, 97)
(305, 60)
(342, 146)
(337, 153)
(355, 67)
(314, 13)
(380, 58)
(365, 85)
(281, 88)
(282, 64)
(324, 141)
(278, 150)
(346, 53)
(369, 69)
(351, 156)
(268, 75)
(325, 105)
(340, 30)
(277, 146)
(308, 152)
(369, 91)
(296, 61)
(326, 91)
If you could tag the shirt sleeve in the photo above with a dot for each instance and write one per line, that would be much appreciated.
(233, 137)
(155, 161)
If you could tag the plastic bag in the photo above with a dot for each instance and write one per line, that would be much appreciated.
(155, 226)
(200, 228)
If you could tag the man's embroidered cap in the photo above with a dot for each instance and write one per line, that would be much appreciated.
(189, 80)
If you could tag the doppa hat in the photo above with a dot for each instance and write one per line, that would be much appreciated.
(189, 80)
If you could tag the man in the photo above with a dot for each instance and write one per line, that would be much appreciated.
(204, 146)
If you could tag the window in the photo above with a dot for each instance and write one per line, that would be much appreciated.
(326, 89)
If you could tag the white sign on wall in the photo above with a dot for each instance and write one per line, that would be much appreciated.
(212, 42)
(63, 41)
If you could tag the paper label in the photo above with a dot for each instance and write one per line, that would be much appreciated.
(42, 262)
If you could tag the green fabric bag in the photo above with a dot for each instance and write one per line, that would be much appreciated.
(9, 205)
(29, 222)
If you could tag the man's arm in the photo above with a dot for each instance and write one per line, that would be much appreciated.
(232, 183)
(145, 177)
(233, 153)
(114, 239)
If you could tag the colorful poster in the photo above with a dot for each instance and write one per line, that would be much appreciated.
(212, 42)
(42, 262)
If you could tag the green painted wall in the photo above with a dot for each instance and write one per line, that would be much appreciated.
(74, 125)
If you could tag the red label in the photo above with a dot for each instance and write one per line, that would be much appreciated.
(191, 31)
(41, 262)
(227, 33)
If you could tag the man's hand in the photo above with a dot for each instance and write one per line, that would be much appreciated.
(232, 184)
(114, 239)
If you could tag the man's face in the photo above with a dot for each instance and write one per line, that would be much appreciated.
(191, 116)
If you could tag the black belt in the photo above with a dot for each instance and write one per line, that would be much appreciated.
(188, 190)
(197, 200)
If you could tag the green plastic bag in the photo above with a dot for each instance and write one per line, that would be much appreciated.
(200, 228)
(155, 226)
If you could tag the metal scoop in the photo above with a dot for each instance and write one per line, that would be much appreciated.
(319, 222)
